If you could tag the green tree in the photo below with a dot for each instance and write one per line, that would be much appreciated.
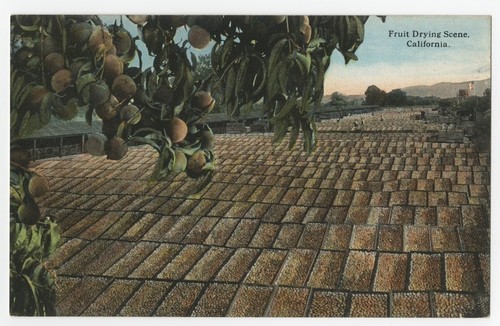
(338, 99)
(396, 97)
(375, 96)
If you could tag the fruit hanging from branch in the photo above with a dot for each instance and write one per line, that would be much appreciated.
(62, 65)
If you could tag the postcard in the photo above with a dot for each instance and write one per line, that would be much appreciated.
(250, 165)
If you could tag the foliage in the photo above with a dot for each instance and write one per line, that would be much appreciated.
(375, 96)
(338, 99)
(469, 104)
(32, 241)
(203, 69)
(280, 60)
(396, 97)
(31, 282)
(421, 101)
(445, 102)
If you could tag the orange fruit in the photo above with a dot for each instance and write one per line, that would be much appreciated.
(176, 129)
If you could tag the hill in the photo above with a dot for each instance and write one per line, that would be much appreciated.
(447, 90)
(441, 90)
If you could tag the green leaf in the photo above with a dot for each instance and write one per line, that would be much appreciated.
(304, 62)
(349, 56)
(17, 86)
(273, 85)
(230, 82)
(22, 95)
(88, 115)
(144, 141)
(121, 129)
(262, 73)
(286, 109)
(55, 237)
(163, 164)
(215, 57)
(309, 131)
(277, 54)
(35, 241)
(20, 236)
(31, 286)
(28, 124)
(83, 81)
(280, 129)
(14, 116)
(46, 109)
(360, 29)
(191, 149)
(34, 26)
(226, 51)
(194, 61)
(284, 74)
(315, 43)
(241, 75)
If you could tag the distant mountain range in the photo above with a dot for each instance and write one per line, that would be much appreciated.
(441, 90)
(446, 90)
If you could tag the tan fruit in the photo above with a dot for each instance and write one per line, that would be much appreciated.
(75, 67)
(307, 33)
(98, 93)
(35, 97)
(122, 42)
(277, 19)
(95, 144)
(100, 40)
(112, 50)
(130, 114)
(113, 67)
(38, 185)
(29, 213)
(207, 140)
(177, 21)
(202, 100)
(20, 156)
(61, 80)
(304, 20)
(195, 164)
(53, 63)
(180, 161)
(108, 110)
(138, 19)
(110, 127)
(49, 45)
(80, 32)
(123, 87)
(68, 111)
(116, 148)
(176, 129)
(198, 37)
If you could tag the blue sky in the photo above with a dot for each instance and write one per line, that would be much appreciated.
(389, 63)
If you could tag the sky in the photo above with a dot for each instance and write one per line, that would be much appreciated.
(389, 63)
